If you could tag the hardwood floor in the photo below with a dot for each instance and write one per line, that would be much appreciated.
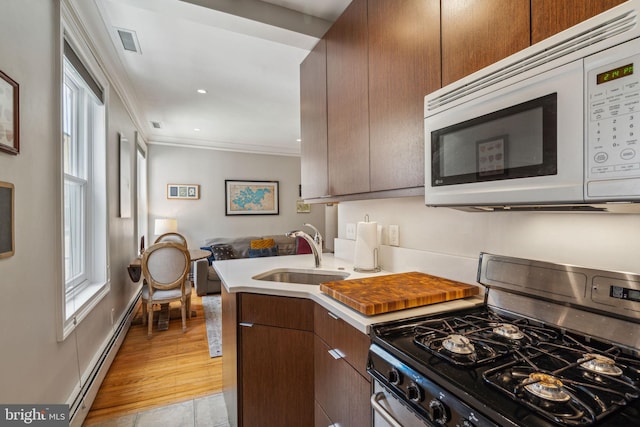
(170, 367)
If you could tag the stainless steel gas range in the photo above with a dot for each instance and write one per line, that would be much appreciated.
(553, 345)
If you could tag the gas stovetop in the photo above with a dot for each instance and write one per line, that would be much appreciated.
(514, 369)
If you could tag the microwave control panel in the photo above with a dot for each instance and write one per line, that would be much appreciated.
(612, 110)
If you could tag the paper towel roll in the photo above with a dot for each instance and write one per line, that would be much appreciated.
(366, 245)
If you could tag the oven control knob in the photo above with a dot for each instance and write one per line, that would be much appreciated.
(414, 392)
(394, 376)
(439, 412)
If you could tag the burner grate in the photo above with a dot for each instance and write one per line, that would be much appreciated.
(552, 378)
(477, 339)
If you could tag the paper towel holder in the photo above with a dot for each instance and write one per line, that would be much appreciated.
(375, 269)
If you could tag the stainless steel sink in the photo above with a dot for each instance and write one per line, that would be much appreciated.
(300, 276)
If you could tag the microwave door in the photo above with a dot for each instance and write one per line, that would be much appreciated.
(518, 145)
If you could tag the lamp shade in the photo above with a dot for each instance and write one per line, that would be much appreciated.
(166, 225)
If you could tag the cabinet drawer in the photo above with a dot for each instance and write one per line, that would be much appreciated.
(339, 335)
(283, 312)
(320, 418)
(340, 391)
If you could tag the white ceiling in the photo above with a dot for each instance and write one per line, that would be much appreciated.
(245, 53)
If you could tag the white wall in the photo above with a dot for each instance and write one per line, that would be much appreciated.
(35, 367)
(596, 240)
(205, 218)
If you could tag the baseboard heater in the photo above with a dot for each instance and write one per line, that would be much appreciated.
(90, 387)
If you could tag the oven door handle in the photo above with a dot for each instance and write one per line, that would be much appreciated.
(380, 410)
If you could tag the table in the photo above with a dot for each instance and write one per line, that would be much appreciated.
(135, 273)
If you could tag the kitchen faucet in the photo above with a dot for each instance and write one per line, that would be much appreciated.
(315, 242)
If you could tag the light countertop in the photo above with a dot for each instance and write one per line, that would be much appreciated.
(236, 276)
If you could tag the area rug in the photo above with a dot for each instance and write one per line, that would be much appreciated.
(212, 306)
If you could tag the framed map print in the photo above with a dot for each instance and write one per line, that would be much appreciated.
(251, 197)
(6, 220)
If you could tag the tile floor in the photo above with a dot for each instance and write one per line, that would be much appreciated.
(208, 411)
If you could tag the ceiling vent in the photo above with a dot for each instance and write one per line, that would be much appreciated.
(156, 125)
(129, 40)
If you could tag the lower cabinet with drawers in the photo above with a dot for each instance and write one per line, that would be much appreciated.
(342, 385)
(291, 362)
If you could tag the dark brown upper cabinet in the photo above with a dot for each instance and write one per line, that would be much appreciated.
(348, 102)
(477, 33)
(549, 17)
(313, 122)
(404, 66)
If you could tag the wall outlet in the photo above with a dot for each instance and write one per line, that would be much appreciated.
(393, 235)
(351, 231)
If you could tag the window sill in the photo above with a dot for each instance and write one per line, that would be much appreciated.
(81, 305)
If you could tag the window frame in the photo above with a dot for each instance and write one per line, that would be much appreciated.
(93, 284)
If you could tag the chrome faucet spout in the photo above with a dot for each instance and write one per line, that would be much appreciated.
(317, 237)
(315, 247)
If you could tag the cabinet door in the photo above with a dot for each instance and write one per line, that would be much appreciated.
(404, 66)
(338, 334)
(276, 377)
(340, 390)
(477, 33)
(313, 122)
(347, 102)
(549, 17)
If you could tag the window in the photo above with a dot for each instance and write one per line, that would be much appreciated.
(84, 190)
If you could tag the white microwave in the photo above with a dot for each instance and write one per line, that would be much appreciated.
(556, 124)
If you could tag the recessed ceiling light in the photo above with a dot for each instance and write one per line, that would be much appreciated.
(201, 91)
(197, 129)
(298, 140)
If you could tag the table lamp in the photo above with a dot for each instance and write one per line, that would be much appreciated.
(166, 225)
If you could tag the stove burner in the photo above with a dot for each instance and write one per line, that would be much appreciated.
(458, 344)
(600, 364)
(546, 387)
(508, 330)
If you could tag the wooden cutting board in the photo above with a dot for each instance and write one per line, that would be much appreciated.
(382, 294)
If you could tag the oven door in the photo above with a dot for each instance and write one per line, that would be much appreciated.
(520, 144)
(388, 411)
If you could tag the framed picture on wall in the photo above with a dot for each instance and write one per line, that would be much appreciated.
(6, 220)
(302, 207)
(9, 115)
(251, 197)
(183, 191)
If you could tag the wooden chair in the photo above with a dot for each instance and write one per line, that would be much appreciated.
(172, 237)
(165, 267)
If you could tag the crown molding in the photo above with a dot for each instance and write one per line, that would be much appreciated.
(226, 146)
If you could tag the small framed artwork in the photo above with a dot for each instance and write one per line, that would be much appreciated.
(491, 155)
(251, 197)
(9, 115)
(302, 207)
(6, 220)
(183, 191)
